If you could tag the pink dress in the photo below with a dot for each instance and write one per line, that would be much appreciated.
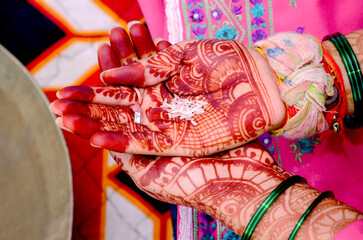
(329, 163)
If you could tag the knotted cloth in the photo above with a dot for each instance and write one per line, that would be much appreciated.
(304, 84)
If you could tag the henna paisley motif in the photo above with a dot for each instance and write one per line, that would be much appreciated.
(169, 59)
(247, 118)
(116, 93)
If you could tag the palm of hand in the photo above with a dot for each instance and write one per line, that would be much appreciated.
(221, 73)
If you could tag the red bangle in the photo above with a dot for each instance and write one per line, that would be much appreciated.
(335, 111)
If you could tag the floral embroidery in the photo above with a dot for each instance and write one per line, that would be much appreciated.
(258, 10)
(229, 235)
(216, 19)
(207, 226)
(217, 14)
(197, 15)
(194, 1)
(255, 1)
(199, 30)
(258, 24)
(259, 35)
(226, 32)
(293, 2)
(300, 30)
(303, 146)
(266, 139)
(237, 10)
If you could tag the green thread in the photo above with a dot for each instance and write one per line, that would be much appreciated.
(293, 2)
(232, 19)
(308, 211)
(248, 22)
(186, 20)
(270, 18)
(266, 204)
(195, 224)
(209, 20)
(220, 229)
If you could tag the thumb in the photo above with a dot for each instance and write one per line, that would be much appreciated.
(149, 71)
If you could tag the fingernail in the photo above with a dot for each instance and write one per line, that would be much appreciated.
(157, 40)
(130, 24)
(58, 94)
(51, 107)
(101, 44)
(59, 122)
(101, 76)
(112, 27)
(94, 145)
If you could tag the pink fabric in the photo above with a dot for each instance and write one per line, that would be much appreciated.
(352, 231)
(333, 164)
(154, 13)
(328, 164)
(318, 17)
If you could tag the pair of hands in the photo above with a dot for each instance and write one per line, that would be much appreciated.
(236, 83)
(239, 108)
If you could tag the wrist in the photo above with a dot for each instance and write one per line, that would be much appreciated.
(338, 60)
(237, 216)
(235, 203)
(325, 221)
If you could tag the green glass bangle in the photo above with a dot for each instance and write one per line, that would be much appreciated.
(355, 75)
(357, 72)
(348, 63)
(266, 204)
(308, 211)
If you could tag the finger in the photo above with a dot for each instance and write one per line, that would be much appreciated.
(141, 38)
(84, 127)
(119, 114)
(121, 159)
(136, 142)
(157, 114)
(107, 58)
(161, 44)
(122, 46)
(106, 95)
(149, 71)
(127, 162)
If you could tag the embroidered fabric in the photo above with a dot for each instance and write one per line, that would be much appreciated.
(320, 163)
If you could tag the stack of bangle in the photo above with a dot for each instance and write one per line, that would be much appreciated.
(266, 204)
(308, 211)
(355, 78)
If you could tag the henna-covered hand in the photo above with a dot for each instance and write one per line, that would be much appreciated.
(231, 185)
(236, 83)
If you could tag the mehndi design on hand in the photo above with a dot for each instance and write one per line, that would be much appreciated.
(222, 73)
